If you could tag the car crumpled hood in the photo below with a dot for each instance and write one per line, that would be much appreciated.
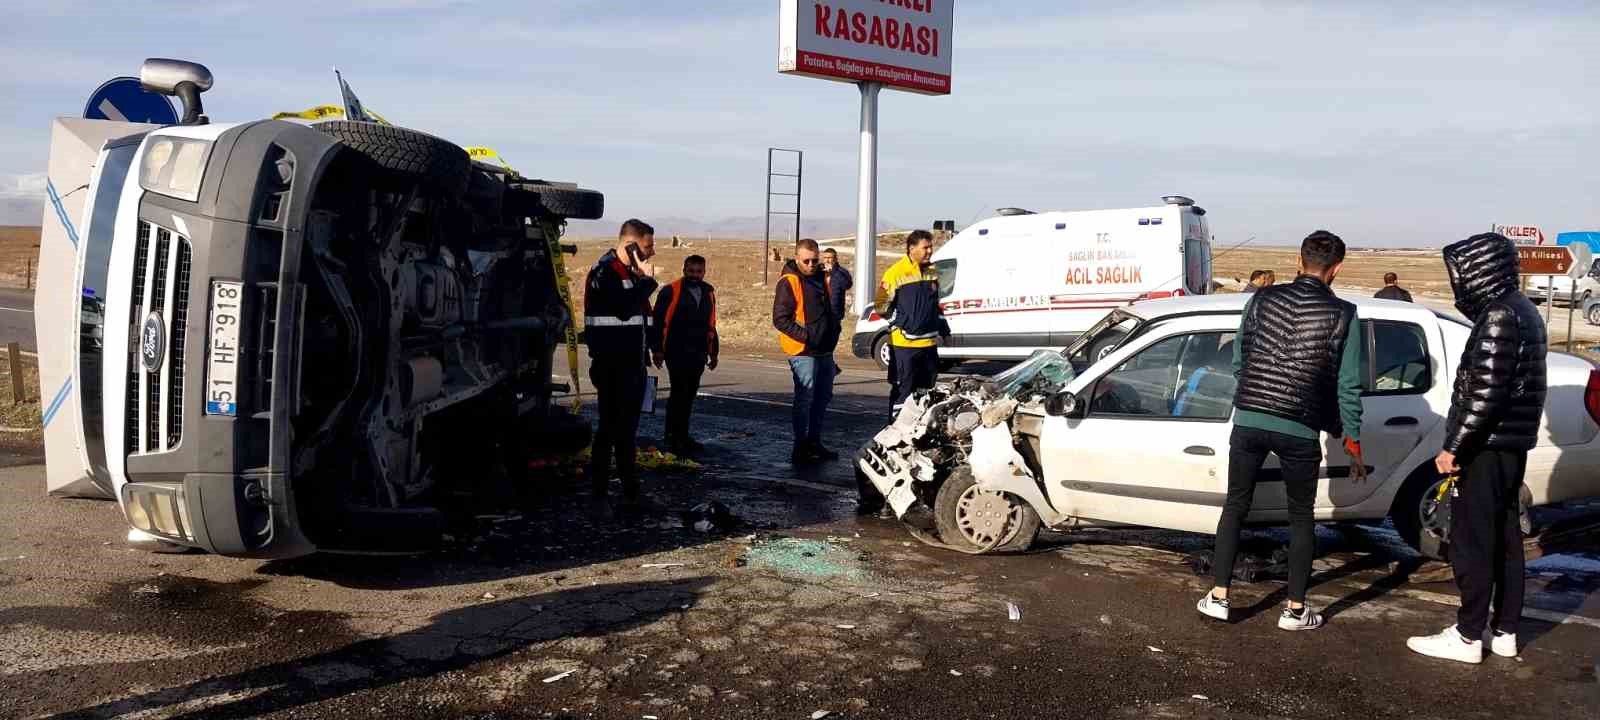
(1482, 268)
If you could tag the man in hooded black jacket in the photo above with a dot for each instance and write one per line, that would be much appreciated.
(1493, 422)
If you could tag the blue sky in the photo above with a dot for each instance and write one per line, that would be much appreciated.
(1389, 123)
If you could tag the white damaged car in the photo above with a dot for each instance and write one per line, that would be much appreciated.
(1140, 436)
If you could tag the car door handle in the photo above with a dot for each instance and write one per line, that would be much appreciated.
(1400, 420)
(1199, 450)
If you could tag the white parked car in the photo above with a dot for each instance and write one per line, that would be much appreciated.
(1140, 436)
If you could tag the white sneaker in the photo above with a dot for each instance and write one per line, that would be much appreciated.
(1212, 607)
(1306, 619)
(1448, 645)
(1503, 644)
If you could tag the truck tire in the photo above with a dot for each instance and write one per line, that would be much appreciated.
(569, 203)
(439, 165)
(949, 515)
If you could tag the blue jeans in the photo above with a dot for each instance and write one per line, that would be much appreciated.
(813, 389)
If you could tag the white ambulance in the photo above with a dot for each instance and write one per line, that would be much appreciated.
(1022, 280)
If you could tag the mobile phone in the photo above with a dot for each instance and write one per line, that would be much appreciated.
(633, 253)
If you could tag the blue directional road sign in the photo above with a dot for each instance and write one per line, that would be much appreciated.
(123, 99)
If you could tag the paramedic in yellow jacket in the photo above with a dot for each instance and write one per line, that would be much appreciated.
(908, 297)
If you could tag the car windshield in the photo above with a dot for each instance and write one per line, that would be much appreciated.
(1043, 373)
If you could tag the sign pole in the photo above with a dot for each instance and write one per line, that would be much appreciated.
(1549, 300)
(1572, 306)
(866, 281)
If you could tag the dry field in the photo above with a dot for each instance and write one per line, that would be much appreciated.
(18, 247)
(744, 302)
(21, 425)
(1420, 271)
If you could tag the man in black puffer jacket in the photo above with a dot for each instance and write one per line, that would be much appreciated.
(1297, 359)
(1493, 423)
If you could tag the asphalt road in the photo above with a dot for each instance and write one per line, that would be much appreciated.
(549, 612)
(16, 318)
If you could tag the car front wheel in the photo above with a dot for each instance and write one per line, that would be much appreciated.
(985, 521)
(1593, 314)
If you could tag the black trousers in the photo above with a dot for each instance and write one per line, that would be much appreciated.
(619, 392)
(1486, 541)
(684, 372)
(1299, 459)
(911, 369)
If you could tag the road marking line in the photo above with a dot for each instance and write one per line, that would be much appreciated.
(16, 310)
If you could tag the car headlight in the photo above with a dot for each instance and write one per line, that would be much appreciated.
(174, 166)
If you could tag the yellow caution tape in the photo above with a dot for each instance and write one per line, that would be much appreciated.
(558, 265)
(320, 112)
(324, 112)
(488, 154)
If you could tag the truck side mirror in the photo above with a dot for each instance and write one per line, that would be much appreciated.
(1061, 404)
(182, 79)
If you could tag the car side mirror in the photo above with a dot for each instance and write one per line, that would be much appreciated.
(1061, 404)
(179, 78)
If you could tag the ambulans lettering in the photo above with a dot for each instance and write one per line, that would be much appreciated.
(871, 29)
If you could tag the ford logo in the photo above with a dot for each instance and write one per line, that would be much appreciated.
(152, 342)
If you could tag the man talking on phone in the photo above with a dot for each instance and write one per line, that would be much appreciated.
(616, 315)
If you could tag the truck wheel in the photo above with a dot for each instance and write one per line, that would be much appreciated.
(1593, 314)
(439, 165)
(571, 203)
(881, 351)
(966, 515)
(1421, 522)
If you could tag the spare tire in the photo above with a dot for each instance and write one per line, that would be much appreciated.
(439, 165)
(563, 202)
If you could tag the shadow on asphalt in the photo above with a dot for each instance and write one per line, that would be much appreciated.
(451, 641)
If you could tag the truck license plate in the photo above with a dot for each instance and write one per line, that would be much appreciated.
(222, 353)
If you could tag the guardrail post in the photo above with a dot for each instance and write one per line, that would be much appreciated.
(14, 357)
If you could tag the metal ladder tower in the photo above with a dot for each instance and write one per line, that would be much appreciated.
(799, 166)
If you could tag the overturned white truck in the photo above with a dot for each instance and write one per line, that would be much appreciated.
(1139, 435)
(295, 337)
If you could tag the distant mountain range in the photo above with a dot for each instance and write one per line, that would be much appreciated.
(733, 227)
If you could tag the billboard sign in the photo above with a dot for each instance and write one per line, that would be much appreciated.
(1522, 234)
(904, 44)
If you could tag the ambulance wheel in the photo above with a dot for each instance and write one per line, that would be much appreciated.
(438, 164)
(881, 352)
(1105, 346)
(971, 517)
